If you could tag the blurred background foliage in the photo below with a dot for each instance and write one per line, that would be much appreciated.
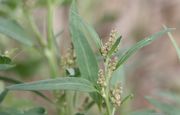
(153, 71)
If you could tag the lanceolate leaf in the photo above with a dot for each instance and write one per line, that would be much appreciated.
(91, 34)
(13, 30)
(67, 83)
(115, 45)
(86, 59)
(10, 80)
(85, 28)
(85, 56)
(139, 45)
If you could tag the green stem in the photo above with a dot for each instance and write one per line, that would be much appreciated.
(108, 105)
(113, 111)
(50, 51)
(69, 100)
(52, 62)
(50, 24)
(33, 26)
(107, 75)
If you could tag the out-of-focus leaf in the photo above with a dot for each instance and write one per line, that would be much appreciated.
(10, 80)
(145, 112)
(67, 83)
(163, 107)
(10, 111)
(170, 95)
(12, 4)
(140, 45)
(85, 57)
(5, 60)
(174, 44)
(6, 66)
(35, 111)
(3, 95)
(130, 96)
(13, 30)
(13, 111)
(5, 63)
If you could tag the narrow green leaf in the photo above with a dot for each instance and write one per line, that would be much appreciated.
(85, 56)
(13, 30)
(130, 96)
(115, 46)
(86, 59)
(140, 45)
(174, 44)
(164, 108)
(3, 95)
(91, 34)
(67, 83)
(10, 80)
(85, 28)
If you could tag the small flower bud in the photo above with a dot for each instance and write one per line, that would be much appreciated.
(112, 64)
(116, 96)
(108, 45)
(101, 79)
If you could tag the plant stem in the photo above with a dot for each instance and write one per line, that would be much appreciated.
(52, 62)
(33, 26)
(107, 75)
(113, 111)
(69, 100)
(108, 105)
(50, 51)
(50, 24)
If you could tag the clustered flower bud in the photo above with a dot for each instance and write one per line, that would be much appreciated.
(107, 47)
(101, 79)
(116, 96)
(68, 58)
(112, 64)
